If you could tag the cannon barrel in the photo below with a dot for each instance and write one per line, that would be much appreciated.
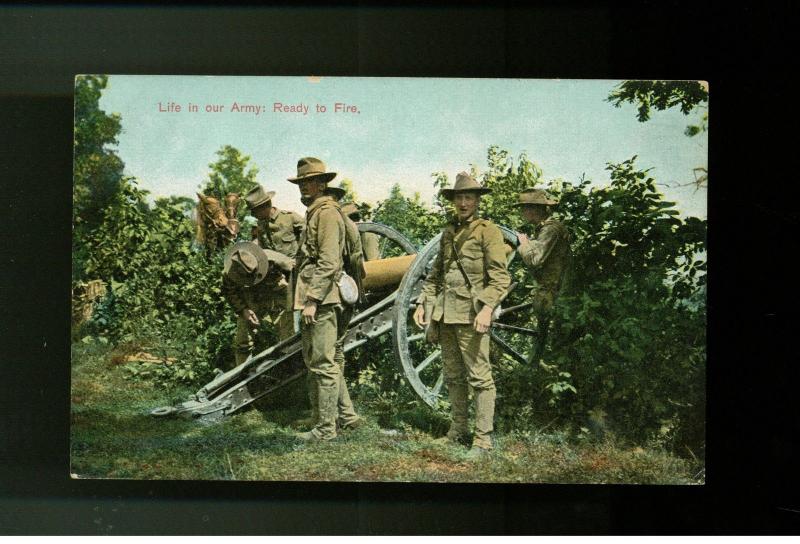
(389, 272)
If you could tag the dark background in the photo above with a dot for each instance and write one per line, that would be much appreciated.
(752, 421)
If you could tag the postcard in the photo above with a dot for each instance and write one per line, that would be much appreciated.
(389, 279)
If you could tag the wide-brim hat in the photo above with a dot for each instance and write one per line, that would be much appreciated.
(258, 196)
(336, 192)
(312, 168)
(534, 196)
(246, 264)
(464, 184)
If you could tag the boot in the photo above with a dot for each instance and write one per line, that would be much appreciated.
(484, 418)
(348, 419)
(459, 406)
(477, 453)
(239, 357)
(325, 429)
(313, 400)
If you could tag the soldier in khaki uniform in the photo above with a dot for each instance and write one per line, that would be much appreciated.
(370, 242)
(464, 315)
(277, 230)
(319, 265)
(254, 283)
(347, 419)
(547, 253)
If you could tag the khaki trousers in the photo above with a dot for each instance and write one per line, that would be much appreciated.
(465, 361)
(244, 339)
(325, 365)
(346, 410)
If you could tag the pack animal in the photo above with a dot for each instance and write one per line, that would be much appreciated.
(217, 225)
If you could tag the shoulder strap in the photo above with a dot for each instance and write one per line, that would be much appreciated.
(460, 266)
(477, 223)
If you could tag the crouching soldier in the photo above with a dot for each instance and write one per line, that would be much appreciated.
(467, 281)
(319, 266)
(546, 254)
(254, 283)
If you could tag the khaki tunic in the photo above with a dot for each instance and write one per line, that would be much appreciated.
(370, 242)
(319, 259)
(547, 256)
(281, 232)
(482, 249)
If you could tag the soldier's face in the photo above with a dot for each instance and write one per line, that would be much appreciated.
(310, 189)
(534, 213)
(262, 212)
(466, 204)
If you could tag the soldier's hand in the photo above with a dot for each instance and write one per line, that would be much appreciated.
(251, 317)
(419, 317)
(483, 320)
(523, 238)
(309, 313)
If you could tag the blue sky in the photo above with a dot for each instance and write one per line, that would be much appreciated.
(405, 129)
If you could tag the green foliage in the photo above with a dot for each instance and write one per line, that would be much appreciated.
(97, 170)
(408, 215)
(662, 95)
(506, 182)
(628, 334)
(349, 193)
(163, 293)
(230, 173)
(119, 244)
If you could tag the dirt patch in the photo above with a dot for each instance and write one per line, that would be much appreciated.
(140, 357)
(597, 462)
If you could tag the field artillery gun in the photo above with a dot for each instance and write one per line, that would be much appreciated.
(391, 287)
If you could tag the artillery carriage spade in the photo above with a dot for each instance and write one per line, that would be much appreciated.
(392, 285)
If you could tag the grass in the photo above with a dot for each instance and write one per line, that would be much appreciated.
(114, 437)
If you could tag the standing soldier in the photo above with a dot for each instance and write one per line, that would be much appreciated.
(319, 266)
(467, 281)
(546, 254)
(277, 230)
(254, 284)
(369, 240)
(347, 415)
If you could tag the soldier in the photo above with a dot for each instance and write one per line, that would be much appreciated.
(467, 280)
(369, 240)
(254, 284)
(546, 254)
(347, 419)
(320, 264)
(278, 230)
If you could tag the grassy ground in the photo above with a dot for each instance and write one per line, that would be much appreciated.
(113, 437)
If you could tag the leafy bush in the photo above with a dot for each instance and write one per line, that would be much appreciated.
(628, 335)
(164, 293)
